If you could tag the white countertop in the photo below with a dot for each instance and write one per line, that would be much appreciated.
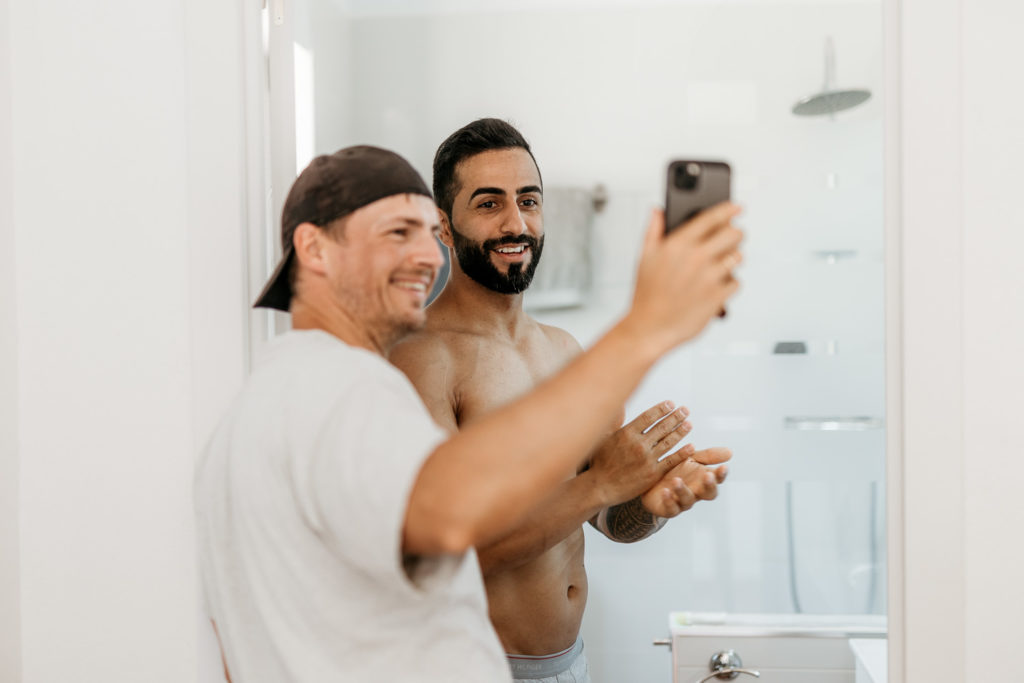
(872, 659)
(853, 626)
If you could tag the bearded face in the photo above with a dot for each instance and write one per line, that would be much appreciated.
(477, 259)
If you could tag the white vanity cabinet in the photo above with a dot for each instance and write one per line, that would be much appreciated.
(770, 648)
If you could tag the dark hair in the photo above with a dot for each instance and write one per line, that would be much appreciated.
(479, 136)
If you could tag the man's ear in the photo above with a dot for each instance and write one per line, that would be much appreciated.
(446, 229)
(308, 242)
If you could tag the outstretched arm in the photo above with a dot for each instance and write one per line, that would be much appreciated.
(626, 464)
(548, 524)
(481, 483)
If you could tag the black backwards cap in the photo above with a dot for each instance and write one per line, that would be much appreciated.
(332, 187)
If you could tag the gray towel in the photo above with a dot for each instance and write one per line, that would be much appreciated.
(564, 275)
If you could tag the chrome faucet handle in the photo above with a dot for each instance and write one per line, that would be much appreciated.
(726, 665)
(729, 673)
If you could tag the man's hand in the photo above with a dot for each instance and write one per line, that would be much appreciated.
(629, 461)
(684, 278)
(691, 480)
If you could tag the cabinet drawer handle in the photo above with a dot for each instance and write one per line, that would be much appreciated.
(729, 673)
(726, 665)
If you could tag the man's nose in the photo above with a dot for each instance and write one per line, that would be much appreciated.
(513, 222)
(428, 251)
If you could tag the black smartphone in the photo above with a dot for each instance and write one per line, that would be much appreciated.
(693, 186)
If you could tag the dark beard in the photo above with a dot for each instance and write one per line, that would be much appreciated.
(475, 260)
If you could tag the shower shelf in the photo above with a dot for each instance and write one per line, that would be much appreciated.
(833, 424)
(834, 256)
(807, 347)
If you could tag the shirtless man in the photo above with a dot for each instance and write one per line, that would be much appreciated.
(479, 350)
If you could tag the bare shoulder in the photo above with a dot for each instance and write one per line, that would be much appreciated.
(437, 360)
(420, 349)
(561, 341)
(427, 359)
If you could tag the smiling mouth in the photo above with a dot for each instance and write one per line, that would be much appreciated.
(419, 283)
(412, 286)
(511, 252)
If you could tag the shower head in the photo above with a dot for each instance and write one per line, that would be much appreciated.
(829, 100)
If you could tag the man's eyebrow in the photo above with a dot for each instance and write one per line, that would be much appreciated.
(498, 191)
(407, 220)
(487, 190)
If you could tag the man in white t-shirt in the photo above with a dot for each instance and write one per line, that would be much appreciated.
(336, 520)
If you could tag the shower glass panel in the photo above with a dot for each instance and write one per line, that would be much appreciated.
(792, 380)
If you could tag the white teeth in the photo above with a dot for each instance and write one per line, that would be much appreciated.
(414, 286)
(511, 250)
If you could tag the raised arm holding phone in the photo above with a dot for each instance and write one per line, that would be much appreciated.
(336, 519)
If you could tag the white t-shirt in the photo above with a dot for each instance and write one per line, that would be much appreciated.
(300, 499)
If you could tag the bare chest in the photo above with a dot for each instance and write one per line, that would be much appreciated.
(496, 373)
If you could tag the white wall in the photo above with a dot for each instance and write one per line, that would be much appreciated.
(326, 29)
(102, 270)
(127, 212)
(932, 175)
(10, 588)
(962, 333)
(993, 327)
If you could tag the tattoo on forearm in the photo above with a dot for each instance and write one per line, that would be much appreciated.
(628, 522)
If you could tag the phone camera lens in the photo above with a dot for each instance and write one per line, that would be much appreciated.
(686, 176)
